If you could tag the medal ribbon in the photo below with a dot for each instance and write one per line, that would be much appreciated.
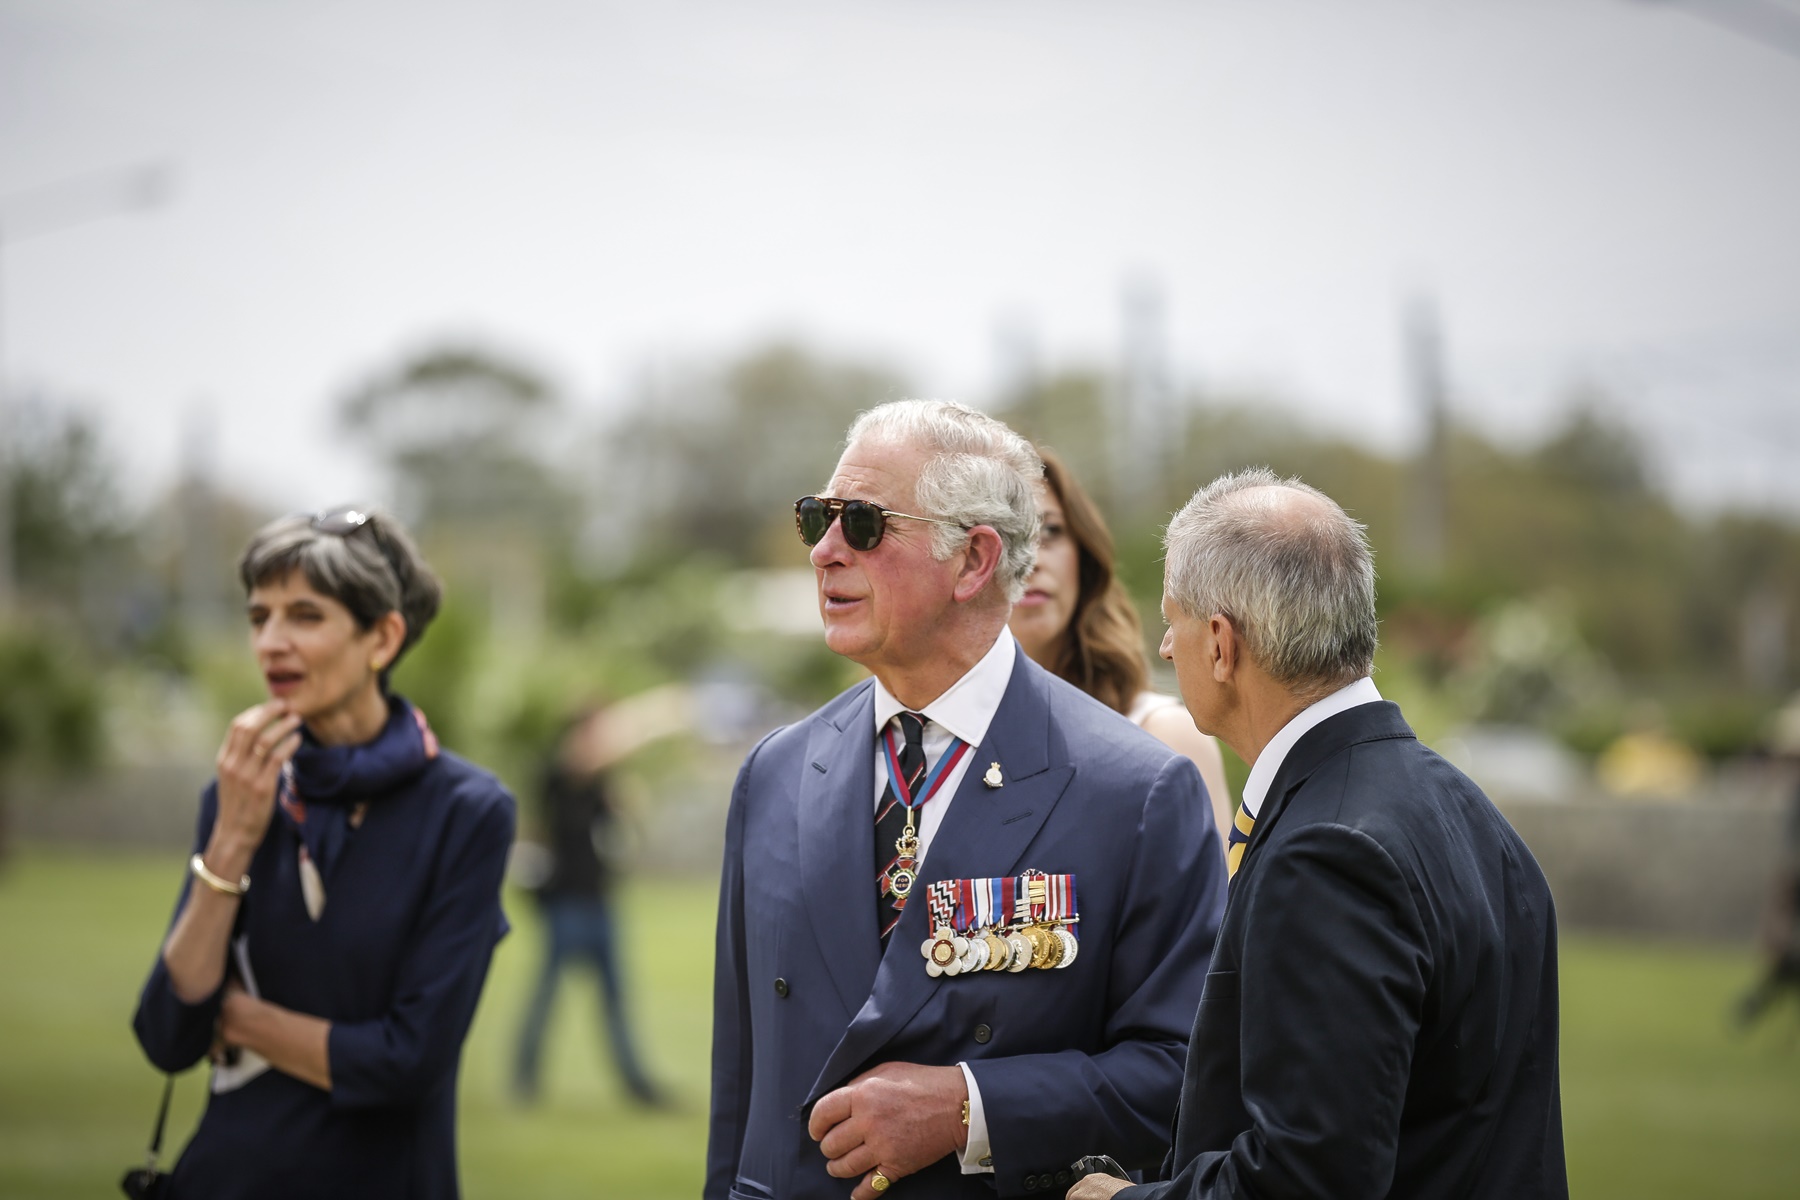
(1060, 902)
(940, 898)
(965, 905)
(933, 780)
(1034, 909)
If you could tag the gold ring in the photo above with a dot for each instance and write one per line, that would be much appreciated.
(880, 1182)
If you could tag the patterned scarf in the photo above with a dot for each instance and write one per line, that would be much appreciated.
(322, 785)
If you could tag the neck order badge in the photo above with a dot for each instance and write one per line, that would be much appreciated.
(910, 787)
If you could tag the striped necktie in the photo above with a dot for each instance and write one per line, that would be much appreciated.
(1241, 825)
(890, 818)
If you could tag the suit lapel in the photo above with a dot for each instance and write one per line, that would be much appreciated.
(985, 833)
(836, 813)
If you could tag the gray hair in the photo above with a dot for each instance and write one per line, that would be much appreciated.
(980, 472)
(373, 570)
(1297, 580)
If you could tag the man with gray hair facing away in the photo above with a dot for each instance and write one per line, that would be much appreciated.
(966, 909)
(1381, 1015)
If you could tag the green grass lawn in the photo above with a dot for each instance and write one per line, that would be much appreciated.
(1659, 1098)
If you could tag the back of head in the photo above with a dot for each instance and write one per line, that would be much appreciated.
(361, 558)
(977, 472)
(1290, 569)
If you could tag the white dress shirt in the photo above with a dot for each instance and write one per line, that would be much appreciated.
(1268, 763)
(964, 711)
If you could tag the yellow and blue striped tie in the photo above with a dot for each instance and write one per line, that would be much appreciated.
(1239, 839)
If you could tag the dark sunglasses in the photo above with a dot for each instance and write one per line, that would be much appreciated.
(863, 522)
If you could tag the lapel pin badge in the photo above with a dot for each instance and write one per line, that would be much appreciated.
(992, 778)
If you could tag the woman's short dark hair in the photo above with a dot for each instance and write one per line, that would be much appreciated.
(372, 568)
(1102, 651)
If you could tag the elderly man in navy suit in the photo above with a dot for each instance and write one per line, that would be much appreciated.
(966, 910)
(1381, 1015)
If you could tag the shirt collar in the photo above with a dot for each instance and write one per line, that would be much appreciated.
(967, 708)
(1268, 763)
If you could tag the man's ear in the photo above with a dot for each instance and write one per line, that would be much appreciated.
(1227, 648)
(980, 559)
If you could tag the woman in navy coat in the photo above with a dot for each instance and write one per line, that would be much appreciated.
(343, 899)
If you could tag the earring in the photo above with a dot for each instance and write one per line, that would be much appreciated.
(375, 665)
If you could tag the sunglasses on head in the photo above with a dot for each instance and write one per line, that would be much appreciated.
(345, 522)
(341, 522)
(863, 523)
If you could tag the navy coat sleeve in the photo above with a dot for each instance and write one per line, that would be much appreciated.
(732, 1042)
(1330, 994)
(176, 1035)
(401, 1055)
(1120, 1097)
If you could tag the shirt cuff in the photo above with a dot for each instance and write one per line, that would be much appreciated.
(977, 1156)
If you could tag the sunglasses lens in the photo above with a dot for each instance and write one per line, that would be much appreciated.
(863, 525)
(813, 518)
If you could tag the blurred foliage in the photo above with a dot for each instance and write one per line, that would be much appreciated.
(589, 557)
(713, 460)
(49, 700)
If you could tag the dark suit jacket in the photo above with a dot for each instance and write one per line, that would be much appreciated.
(1068, 1061)
(1381, 1015)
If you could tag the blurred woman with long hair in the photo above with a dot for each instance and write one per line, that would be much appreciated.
(343, 898)
(1076, 621)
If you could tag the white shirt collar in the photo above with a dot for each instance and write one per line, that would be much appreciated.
(967, 708)
(1268, 763)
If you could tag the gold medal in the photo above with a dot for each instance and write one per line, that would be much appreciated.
(999, 951)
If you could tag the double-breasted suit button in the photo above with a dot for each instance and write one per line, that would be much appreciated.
(781, 988)
(983, 1033)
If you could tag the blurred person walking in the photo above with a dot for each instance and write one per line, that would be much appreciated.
(1781, 920)
(1077, 621)
(966, 909)
(343, 899)
(581, 828)
(1381, 1017)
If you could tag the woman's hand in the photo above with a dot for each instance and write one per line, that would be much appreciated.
(259, 742)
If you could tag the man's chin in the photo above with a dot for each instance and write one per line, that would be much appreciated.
(848, 640)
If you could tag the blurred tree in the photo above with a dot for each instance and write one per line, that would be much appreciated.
(471, 438)
(49, 706)
(464, 430)
(70, 536)
(714, 461)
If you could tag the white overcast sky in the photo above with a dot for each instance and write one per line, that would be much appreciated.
(1605, 190)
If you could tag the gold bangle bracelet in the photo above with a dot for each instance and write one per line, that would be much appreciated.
(197, 865)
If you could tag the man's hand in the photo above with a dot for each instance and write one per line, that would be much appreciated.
(1097, 1187)
(900, 1117)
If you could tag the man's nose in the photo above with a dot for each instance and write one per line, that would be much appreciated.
(1167, 649)
(831, 550)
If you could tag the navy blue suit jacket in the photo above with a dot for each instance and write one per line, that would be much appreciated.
(1381, 1017)
(1071, 1061)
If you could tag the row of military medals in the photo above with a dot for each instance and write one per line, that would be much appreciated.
(1005, 924)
